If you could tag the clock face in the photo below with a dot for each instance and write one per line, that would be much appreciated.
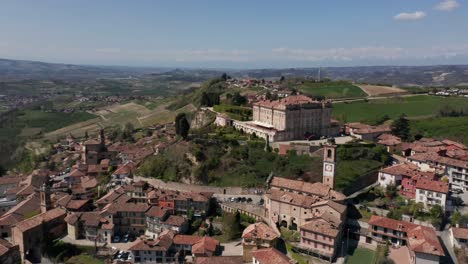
(328, 167)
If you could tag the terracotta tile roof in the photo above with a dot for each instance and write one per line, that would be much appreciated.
(391, 223)
(88, 182)
(460, 233)
(39, 219)
(186, 239)
(206, 246)
(424, 239)
(435, 186)
(316, 188)
(436, 158)
(19, 212)
(95, 168)
(420, 238)
(162, 243)
(10, 180)
(69, 203)
(409, 170)
(6, 246)
(175, 220)
(321, 226)
(111, 196)
(271, 256)
(453, 143)
(220, 260)
(127, 168)
(76, 173)
(304, 201)
(156, 211)
(72, 218)
(340, 208)
(388, 140)
(259, 231)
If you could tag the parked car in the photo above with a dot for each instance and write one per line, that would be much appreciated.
(126, 238)
(119, 254)
(456, 188)
(116, 239)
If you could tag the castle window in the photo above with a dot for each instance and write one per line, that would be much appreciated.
(329, 153)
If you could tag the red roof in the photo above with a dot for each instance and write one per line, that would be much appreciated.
(435, 186)
(420, 238)
(271, 256)
(460, 233)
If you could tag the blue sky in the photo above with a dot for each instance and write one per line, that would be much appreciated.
(240, 33)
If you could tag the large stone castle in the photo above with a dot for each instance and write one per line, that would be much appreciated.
(290, 118)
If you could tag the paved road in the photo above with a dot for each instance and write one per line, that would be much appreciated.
(224, 197)
(445, 236)
(177, 186)
(376, 98)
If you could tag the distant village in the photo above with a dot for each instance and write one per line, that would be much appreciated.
(132, 219)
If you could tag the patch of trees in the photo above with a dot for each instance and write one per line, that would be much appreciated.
(232, 225)
(159, 167)
(209, 99)
(182, 126)
(381, 120)
(270, 96)
(119, 133)
(238, 99)
(401, 128)
(359, 151)
(448, 111)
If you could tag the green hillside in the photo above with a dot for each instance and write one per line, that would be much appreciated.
(421, 106)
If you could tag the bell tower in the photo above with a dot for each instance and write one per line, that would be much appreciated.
(329, 163)
(46, 203)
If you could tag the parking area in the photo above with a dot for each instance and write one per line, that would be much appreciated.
(256, 199)
(400, 255)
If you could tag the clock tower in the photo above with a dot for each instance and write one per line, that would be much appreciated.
(329, 163)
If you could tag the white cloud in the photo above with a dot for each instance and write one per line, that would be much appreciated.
(410, 16)
(447, 5)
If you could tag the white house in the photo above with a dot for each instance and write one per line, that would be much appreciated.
(430, 192)
(459, 237)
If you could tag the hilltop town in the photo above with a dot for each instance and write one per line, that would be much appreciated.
(260, 172)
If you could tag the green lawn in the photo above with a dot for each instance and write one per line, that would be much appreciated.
(235, 112)
(84, 259)
(339, 89)
(360, 256)
(348, 171)
(416, 107)
(454, 128)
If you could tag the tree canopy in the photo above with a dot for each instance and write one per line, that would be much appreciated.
(182, 125)
(401, 127)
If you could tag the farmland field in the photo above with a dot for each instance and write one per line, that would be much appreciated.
(339, 89)
(420, 106)
(376, 90)
(454, 128)
(113, 115)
